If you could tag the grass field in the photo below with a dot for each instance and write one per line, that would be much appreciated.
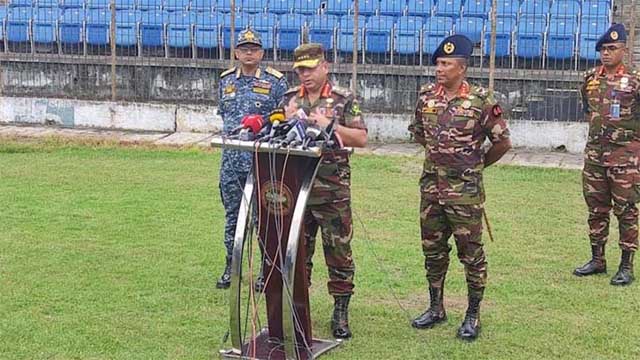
(112, 253)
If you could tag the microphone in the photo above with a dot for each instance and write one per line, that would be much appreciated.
(311, 134)
(296, 134)
(276, 117)
(250, 122)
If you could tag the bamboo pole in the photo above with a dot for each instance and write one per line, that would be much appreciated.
(354, 62)
(492, 45)
(112, 42)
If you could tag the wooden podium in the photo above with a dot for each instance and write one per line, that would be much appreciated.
(276, 194)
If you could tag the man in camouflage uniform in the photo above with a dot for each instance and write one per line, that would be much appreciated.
(244, 90)
(329, 205)
(452, 120)
(611, 100)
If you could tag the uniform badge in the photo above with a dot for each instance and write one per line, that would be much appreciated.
(448, 48)
(497, 110)
(624, 82)
(466, 104)
(229, 89)
(431, 103)
(355, 109)
(614, 35)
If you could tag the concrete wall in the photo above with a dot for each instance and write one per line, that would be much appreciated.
(202, 118)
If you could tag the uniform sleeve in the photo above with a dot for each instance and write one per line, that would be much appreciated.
(280, 89)
(493, 124)
(416, 128)
(583, 96)
(353, 114)
(221, 109)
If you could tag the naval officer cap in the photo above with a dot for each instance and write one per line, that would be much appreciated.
(615, 34)
(454, 46)
(249, 36)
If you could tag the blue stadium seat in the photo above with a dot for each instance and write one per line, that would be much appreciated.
(176, 5)
(596, 8)
(561, 38)
(203, 5)
(179, 29)
(535, 8)
(47, 4)
(408, 33)
(3, 18)
(17, 25)
(339, 7)
(289, 31)
(451, 8)
(20, 3)
(306, 7)
(225, 6)
(72, 4)
(125, 4)
(476, 8)
(97, 26)
(530, 36)
(45, 25)
(152, 25)
(149, 5)
(97, 4)
(368, 7)
(207, 30)
(280, 6)
(378, 34)
(254, 6)
(508, 8)
(420, 8)
(127, 27)
(504, 36)
(471, 27)
(322, 29)
(591, 28)
(345, 33)
(435, 30)
(265, 25)
(242, 21)
(392, 7)
(71, 25)
(565, 9)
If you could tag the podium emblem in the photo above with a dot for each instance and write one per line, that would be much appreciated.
(276, 197)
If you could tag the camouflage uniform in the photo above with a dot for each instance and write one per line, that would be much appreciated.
(611, 171)
(329, 206)
(452, 193)
(240, 95)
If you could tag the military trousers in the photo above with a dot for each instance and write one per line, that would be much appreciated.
(231, 192)
(438, 222)
(335, 222)
(617, 188)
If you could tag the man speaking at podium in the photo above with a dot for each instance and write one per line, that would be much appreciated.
(249, 89)
(335, 110)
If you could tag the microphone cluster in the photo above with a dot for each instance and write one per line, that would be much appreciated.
(282, 131)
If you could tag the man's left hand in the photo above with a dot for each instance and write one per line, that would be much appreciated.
(318, 119)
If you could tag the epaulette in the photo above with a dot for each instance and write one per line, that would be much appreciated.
(293, 90)
(589, 73)
(479, 91)
(273, 72)
(636, 73)
(227, 72)
(344, 92)
(426, 88)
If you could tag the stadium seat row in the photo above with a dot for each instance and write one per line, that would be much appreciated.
(424, 8)
(530, 37)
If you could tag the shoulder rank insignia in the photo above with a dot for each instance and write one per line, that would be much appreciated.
(227, 72)
(275, 73)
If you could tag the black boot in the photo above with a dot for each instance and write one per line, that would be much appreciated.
(597, 264)
(225, 280)
(340, 320)
(624, 276)
(435, 314)
(470, 328)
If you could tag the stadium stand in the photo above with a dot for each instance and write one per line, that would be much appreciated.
(554, 29)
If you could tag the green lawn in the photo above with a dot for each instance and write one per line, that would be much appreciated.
(112, 253)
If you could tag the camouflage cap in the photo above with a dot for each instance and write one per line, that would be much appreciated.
(308, 55)
(249, 36)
